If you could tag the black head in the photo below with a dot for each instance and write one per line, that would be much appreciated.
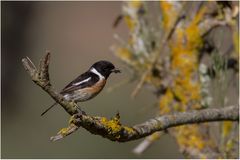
(105, 68)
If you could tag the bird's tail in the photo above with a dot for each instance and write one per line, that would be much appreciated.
(49, 108)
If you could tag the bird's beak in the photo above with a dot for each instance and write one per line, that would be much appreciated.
(116, 70)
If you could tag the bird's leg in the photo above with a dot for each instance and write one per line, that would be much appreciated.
(74, 118)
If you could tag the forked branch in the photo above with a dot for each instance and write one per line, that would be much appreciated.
(113, 129)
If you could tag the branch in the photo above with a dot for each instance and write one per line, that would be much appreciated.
(113, 129)
(40, 76)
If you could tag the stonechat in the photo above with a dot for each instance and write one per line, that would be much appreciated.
(89, 84)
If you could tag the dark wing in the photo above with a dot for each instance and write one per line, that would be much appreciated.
(86, 79)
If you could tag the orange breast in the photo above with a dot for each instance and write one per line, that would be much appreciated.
(89, 92)
(97, 87)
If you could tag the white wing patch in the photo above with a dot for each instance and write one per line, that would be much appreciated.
(85, 80)
(101, 77)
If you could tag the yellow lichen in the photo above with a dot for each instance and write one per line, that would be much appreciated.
(185, 62)
(185, 91)
(236, 43)
(113, 126)
(129, 130)
(131, 23)
(229, 145)
(226, 128)
(166, 101)
(63, 131)
(131, 15)
(189, 136)
(193, 34)
(167, 13)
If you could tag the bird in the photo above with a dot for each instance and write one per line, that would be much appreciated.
(89, 84)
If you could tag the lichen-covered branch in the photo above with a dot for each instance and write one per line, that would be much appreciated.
(113, 129)
(183, 45)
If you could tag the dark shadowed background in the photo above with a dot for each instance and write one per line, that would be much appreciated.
(77, 34)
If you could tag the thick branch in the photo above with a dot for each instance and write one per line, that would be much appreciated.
(113, 129)
(124, 133)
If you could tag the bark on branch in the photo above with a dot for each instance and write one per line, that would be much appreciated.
(113, 129)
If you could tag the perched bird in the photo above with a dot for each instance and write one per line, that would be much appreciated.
(88, 84)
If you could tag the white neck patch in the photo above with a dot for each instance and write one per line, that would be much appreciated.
(93, 70)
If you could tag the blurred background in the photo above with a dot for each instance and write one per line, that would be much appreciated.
(77, 34)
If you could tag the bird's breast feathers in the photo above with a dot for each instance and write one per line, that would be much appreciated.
(86, 93)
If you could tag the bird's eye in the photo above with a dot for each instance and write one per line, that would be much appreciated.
(105, 68)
